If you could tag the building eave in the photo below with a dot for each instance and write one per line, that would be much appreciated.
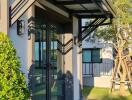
(110, 7)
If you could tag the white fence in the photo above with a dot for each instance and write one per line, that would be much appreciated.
(97, 69)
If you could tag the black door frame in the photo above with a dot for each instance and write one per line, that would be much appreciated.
(48, 65)
(48, 28)
(39, 27)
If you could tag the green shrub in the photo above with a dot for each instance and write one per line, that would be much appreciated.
(12, 81)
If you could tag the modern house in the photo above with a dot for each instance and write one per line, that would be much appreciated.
(97, 61)
(48, 35)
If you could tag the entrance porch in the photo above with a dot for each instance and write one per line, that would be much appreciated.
(52, 43)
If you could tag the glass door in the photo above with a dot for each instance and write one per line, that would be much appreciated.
(39, 72)
(47, 79)
(56, 77)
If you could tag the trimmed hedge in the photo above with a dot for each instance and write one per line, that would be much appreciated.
(12, 81)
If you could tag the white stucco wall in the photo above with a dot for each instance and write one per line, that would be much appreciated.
(21, 44)
(0, 25)
(4, 16)
(68, 56)
(76, 60)
(0, 15)
(102, 71)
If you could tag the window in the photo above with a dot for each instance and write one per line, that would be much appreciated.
(92, 56)
(86, 55)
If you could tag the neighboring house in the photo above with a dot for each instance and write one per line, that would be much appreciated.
(97, 60)
(46, 35)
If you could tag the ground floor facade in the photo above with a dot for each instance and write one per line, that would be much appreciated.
(48, 43)
(47, 56)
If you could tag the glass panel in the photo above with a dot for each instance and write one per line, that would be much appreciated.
(86, 55)
(39, 90)
(44, 52)
(96, 55)
(56, 74)
(54, 45)
(36, 51)
(40, 49)
(39, 70)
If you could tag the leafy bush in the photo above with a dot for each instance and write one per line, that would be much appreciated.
(12, 81)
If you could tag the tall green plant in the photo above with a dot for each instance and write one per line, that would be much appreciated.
(120, 33)
(12, 81)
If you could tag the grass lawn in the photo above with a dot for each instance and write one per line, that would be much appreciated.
(95, 93)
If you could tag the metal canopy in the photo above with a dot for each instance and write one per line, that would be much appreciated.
(87, 8)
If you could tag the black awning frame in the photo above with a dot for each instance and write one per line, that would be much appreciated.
(101, 11)
(87, 13)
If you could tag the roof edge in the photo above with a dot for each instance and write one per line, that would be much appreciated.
(110, 7)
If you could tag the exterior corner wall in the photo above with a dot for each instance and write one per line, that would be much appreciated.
(0, 26)
(21, 43)
(4, 16)
(68, 56)
(68, 69)
(76, 62)
(60, 57)
(30, 50)
(80, 70)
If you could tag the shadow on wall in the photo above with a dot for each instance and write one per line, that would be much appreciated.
(61, 85)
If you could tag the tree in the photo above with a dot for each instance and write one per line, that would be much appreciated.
(12, 81)
(120, 33)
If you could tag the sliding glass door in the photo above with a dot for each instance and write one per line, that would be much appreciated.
(39, 72)
(47, 79)
(57, 82)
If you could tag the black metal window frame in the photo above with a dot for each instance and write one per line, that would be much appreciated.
(89, 67)
(91, 49)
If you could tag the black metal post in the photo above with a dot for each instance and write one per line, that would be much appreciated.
(48, 92)
(79, 29)
(39, 33)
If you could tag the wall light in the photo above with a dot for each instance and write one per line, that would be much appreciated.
(20, 27)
